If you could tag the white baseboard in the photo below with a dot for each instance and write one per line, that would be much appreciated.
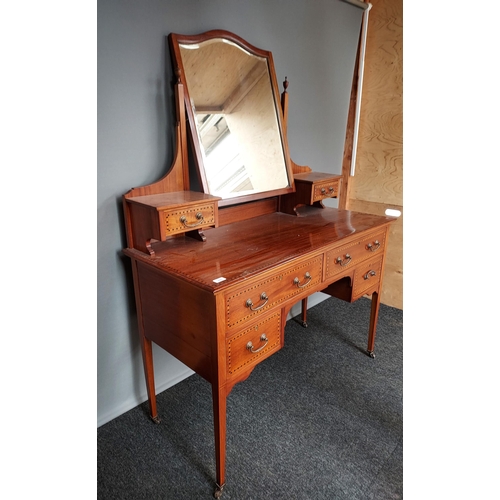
(131, 403)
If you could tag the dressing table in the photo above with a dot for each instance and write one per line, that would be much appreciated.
(217, 270)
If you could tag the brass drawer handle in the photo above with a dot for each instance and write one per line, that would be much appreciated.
(323, 191)
(344, 263)
(373, 248)
(249, 303)
(369, 274)
(263, 338)
(199, 216)
(330, 189)
(308, 278)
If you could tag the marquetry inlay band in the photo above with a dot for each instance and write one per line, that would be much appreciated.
(357, 252)
(274, 333)
(283, 284)
(366, 277)
(173, 222)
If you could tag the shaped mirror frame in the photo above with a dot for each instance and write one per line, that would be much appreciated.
(235, 117)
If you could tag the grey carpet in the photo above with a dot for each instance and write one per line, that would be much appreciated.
(317, 420)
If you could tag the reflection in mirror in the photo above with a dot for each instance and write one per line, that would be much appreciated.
(241, 149)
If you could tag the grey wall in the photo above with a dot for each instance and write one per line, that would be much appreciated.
(313, 44)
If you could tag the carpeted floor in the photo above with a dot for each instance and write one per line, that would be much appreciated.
(317, 420)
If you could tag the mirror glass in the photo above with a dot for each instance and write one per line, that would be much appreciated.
(234, 116)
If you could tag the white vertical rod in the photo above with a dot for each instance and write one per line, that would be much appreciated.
(364, 30)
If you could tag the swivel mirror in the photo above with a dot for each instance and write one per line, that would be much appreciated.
(232, 102)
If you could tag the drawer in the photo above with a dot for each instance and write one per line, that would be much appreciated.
(183, 219)
(366, 276)
(252, 345)
(259, 295)
(346, 257)
(325, 190)
(158, 216)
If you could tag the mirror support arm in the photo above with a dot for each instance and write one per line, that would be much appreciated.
(177, 177)
(284, 105)
(296, 169)
(181, 134)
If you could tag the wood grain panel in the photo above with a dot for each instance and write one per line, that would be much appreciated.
(378, 180)
(379, 165)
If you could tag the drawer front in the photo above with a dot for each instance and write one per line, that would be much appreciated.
(324, 190)
(252, 345)
(346, 257)
(366, 276)
(259, 295)
(184, 219)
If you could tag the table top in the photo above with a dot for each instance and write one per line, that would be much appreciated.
(240, 250)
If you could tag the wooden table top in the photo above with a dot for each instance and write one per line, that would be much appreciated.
(243, 249)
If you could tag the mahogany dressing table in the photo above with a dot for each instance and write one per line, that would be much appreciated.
(217, 272)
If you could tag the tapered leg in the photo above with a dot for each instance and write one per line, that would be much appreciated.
(219, 403)
(147, 350)
(147, 358)
(304, 312)
(373, 324)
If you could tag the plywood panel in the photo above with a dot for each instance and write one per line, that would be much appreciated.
(379, 160)
(378, 180)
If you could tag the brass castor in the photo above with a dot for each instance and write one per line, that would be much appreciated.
(156, 419)
(371, 354)
(304, 324)
(218, 490)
